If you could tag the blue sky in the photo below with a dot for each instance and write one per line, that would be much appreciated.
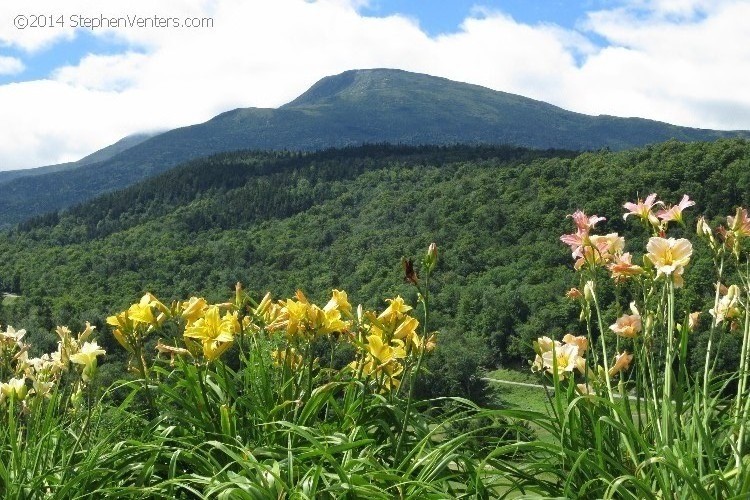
(42, 63)
(437, 17)
(66, 92)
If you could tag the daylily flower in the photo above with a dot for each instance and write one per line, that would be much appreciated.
(623, 268)
(193, 309)
(88, 353)
(395, 310)
(584, 222)
(406, 331)
(339, 300)
(384, 352)
(430, 344)
(740, 223)
(141, 313)
(215, 333)
(11, 335)
(642, 209)
(576, 241)
(542, 345)
(622, 363)
(574, 293)
(727, 308)
(15, 386)
(580, 341)
(693, 320)
(669, 256)
(627, 325)
(87, 357)
(674, 213)
(545, 344)
(562, 360)
(579, 240)
(599, 250)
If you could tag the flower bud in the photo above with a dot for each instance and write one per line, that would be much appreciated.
(238, 295)
(431, 258)
(588, 290)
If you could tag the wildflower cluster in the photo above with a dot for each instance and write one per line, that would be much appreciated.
(563, 359)
(23, 377)
(732, 240)
(664, 261)
(383, 342)
(302, 322)
(386, 341)
(666, 256)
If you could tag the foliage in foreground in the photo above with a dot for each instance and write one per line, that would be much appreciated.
(629, 418)
(289, 399)
(263, 399)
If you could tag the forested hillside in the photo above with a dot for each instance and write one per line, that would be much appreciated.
(343, 219)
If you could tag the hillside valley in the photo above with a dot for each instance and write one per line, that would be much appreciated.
(343, 218)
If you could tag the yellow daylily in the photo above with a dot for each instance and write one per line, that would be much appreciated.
(213, 349)
(193, 309)
(384, 352)
(88, 353)
(213, 328)
(395, 310)
(339, 300)
(406, 331)
(15, 386)
(87, 357)
(141, 313)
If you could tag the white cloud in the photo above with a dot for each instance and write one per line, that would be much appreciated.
(680, 61)
(10, 65)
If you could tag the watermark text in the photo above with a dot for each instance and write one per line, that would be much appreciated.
(102, 21)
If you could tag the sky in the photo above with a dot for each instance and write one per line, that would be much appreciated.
(78, 77)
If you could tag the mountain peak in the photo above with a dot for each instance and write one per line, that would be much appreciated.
(356, 83)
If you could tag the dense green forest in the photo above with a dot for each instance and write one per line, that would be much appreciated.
(343, 218)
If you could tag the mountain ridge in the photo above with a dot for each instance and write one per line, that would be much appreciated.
(97, 156)
(354, 107)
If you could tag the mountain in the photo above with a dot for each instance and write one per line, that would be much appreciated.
(360, 106)
(97, 156)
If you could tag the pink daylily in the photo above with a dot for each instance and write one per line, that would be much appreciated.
(584, 222)
(580, 240)
(622, 363)
(627, 325)
(600, 250)
(675, 212)
(643, 208)
(576, 242)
